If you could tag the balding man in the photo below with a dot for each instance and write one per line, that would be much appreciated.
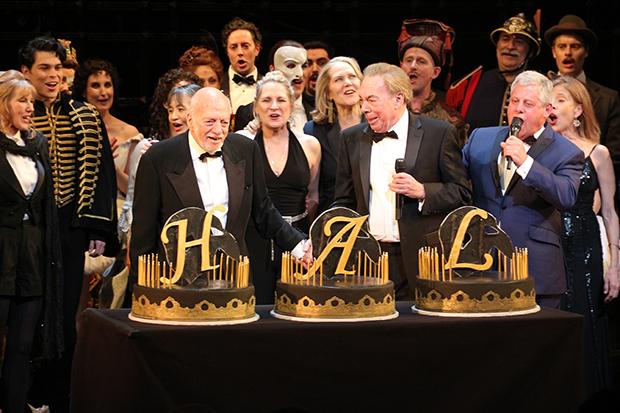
(434, 181)
(205, 167)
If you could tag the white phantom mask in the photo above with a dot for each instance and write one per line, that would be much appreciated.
(289, 60)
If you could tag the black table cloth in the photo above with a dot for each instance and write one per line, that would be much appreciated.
(415, 363)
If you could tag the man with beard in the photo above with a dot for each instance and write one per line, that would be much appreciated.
(289, 57)
(482, 97)
(424, 48)
(571, 43)
(318, 55)
(242, 41)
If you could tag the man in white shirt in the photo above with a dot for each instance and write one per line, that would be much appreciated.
(205, 167)
(433, 184)
(242, 41)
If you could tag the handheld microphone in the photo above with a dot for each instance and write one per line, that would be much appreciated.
(399, 166)
(515, 127)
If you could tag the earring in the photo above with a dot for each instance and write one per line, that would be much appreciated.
(576, 123)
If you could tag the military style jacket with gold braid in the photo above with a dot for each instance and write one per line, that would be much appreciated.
(82, 163)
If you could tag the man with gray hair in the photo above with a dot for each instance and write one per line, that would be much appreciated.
(430, 183)
(209, 167)
(525, 177)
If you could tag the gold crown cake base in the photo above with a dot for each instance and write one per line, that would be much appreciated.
(194, 323)
(484, 294)
(474, 315)
(360, 302)
(333, 320)
(167, 306)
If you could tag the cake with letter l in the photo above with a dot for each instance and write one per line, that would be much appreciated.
(478, 273)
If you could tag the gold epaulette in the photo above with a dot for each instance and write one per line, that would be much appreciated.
(464, 78)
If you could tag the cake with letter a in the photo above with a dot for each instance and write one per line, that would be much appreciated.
(348, 280)
(204, 279)
(466, 279)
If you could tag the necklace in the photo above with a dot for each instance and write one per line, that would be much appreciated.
(277, 170)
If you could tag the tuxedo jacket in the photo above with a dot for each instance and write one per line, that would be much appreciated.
(529, 211)
(166, 183)
(432, 156)
(13, 202)
(606, 106)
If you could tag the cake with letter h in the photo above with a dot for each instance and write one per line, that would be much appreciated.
(348, 280)
(204, 279)
(477, 273)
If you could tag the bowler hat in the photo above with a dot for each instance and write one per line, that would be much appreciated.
(572, 24)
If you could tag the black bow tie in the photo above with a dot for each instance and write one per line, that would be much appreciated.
(378, 137)
(249, 80)
(206, 155)
(530, 140)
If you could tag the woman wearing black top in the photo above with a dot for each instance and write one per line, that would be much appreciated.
(30, 266)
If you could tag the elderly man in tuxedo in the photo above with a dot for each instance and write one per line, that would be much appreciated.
(527, 179)
(434, 181)
(206, 167)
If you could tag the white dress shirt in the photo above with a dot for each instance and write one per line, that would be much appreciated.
(24, 167)
(242, 94)
(383, 155)
(525, 167)
(211, 178)
(298, 116)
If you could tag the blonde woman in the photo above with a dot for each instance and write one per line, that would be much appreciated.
(588, 288)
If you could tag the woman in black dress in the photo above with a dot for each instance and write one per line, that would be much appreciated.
(337, 108)
(291, 165)
(589, 288)
(30, 258)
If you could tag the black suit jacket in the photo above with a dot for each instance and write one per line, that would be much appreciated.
(607, 110)
(13, 201)
(328, 135)
(166, 183)
(433, 157)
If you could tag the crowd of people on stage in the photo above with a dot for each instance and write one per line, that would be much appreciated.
(82, 191)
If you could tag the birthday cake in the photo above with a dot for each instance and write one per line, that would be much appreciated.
(460, 280)
(348, 280)
(204, 279)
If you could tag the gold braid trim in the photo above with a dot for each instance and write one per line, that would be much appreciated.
(88, 129)
(62, 145)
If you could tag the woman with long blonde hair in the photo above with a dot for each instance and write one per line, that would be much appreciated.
(589, 288)
(337, 108)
